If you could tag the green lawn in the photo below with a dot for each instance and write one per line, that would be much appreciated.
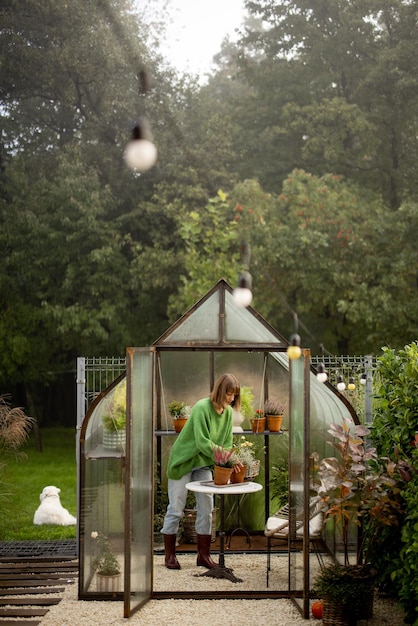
(26, 477)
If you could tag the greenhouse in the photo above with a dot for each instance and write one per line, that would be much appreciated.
(126, 437)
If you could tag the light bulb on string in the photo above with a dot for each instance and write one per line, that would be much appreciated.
(242, 294)
(363, 379)
(140, 153)
(340, 383)
(293, 350)
(321, 374)
(351, 384)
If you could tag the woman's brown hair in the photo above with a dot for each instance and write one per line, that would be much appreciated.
(227, 383)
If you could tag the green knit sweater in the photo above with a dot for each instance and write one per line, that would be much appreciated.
(193, 446)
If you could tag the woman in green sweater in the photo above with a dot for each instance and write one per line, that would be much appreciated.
(191, 458)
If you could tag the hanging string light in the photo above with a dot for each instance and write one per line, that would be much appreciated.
(293, 350)
(321, 374)
(243, 294)
(140, 152)
(351, 384)
(340, 383)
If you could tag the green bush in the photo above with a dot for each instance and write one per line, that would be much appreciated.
(395, 421)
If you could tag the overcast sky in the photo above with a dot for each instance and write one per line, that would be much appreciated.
(198, 30)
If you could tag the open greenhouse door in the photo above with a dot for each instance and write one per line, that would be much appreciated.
(139, 479)
(299, 431)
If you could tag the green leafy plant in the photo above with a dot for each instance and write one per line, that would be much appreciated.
(273, 406)
(358, 487)
(395, 550)
(114, 418)
(223, 457)
(105, 562)
(244, 451)
(179, 409)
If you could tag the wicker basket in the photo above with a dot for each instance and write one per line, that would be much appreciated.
(189, 521)
(343, 615)
(334, 614)
(252, 470)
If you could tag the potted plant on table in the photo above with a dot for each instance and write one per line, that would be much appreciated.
(357, 489)
(258, 422)
(180, 412)
(223, 460)
(273, 410)
(105, 564)
(244, 453)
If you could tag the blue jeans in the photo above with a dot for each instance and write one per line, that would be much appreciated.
(177, 496)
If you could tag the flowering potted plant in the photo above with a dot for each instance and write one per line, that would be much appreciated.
(258, 422)
(244, 453)
(223, 460)
(180, 412)
(357, 488)
(105, 564)
(274, 409)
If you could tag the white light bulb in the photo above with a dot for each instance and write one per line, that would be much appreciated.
(242, 296)
(322, 377)
(341, 386)
(140, 154)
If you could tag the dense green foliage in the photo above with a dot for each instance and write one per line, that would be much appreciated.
(303, 143)
(25, 478)
(395, 422)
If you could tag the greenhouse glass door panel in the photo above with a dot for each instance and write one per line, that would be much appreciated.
(139, 484)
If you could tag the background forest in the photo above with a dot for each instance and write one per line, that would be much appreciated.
(303, 142)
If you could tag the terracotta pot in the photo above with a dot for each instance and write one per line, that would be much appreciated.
(221, 475)
(179, 423)
(258, 425)
(238, 477)
(274, 423)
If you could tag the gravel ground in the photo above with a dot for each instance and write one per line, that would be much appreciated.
(176, 612)
(71, 611)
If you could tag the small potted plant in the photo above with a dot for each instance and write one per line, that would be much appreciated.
(274, 409)
(359, 489)
(224, 463)
(114, 420)
(244, 453)
(180, 412)
(105, 564)
(258, 422)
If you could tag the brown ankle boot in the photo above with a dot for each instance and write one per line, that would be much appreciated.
(203, 552)
(170, 552)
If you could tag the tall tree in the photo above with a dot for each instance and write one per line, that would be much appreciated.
(338, 83)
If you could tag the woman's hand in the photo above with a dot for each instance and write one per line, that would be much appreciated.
(237, 467)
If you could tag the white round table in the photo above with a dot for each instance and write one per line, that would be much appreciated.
(208, 486)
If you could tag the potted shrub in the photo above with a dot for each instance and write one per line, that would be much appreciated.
(114, 420)
(274, 409)
(223, 460)
(258, 422)
(105, 564)
(180, 412)
(244, 453)
(246, 412)
(359, 489)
